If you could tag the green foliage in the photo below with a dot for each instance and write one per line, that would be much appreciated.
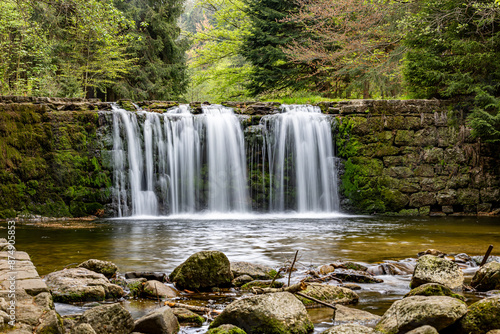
(455, 53)
(271, 69)
(158, 51)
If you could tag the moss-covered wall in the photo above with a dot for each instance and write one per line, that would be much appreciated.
(410, 157)
(50, 158)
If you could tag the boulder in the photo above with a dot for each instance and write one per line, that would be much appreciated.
(424, 330)
(434, 289)
(350, 329)
(357, 276)
(187, 317)
(80, 284)
(432, 269)
(270, 313)
(50, 322)
(159, 321)
(108, 318)
(487, 277)
(203, 270)
(413, 312)
(226, 329)
(482, 316)
(155, 289)
(329, 294)
(106, 268)
(256, 271)
(344, 314)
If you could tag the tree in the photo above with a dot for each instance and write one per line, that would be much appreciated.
(455, 53)
(158, 50)
(217, 66)
(351, 43)
(272, 70)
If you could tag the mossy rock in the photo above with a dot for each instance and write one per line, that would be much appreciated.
(261, 284)
(482, 316)
(106, 268)
(329, 294)
(432, 269)
(487, 277)
(434, 289)
(187, 317)
(226, 329)
(203, 270)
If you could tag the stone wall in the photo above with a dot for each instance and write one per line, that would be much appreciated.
(410, 157)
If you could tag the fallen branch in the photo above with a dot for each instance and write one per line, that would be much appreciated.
(198, 309)
(291, 268)
(292, 289)
(316, 300)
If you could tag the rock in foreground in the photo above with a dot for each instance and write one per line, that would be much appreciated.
(271, 313)
(111, 318)
(432, 269)
(203, 270)
(350, 329)
(413, 312)
(159, 321)
(482, 316)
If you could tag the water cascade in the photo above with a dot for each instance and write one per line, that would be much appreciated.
(301, 160)
(181, 163)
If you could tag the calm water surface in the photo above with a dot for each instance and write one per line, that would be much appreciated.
(162, 244)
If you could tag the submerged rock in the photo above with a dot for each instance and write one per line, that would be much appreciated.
(482, 316)
(241, 280)
(203, 270)
(413, 312)
(270, 313)
(110, 318)
(432, 269)
(329, 294)
(261, 284)
(350, 329)
(356, 276)
(159, 321)
(106, 268)
(256, 271)
(344, 314)
(434, 289)
(487, 277)
(80, 284)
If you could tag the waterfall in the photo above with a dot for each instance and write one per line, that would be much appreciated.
(159, 162)
(301, 160)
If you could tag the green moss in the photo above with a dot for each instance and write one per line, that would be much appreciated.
(221, 330)
(482, 316)
(135, 288)
(434, 289)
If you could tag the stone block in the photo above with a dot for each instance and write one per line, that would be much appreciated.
(421, 199)
(424, 171)
(468, 197)
(404, 137)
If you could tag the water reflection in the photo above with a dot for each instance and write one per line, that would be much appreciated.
(162, 244)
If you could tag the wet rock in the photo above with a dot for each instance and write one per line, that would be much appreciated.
(487, 277)
(148, 275)
(155, 289)
(241, 280)
(261, 284)
(270, 313)
(329, 268)
(329, 294)
(434, 289)
(432, 269)
(83, 329)
(160, 321)
(349, 275)
(226, 329)
(482, 316)
(256, 271)
(413, 312)
(424, 330)
(187, 317)
(344, 313)
(80, 284)
(351, 286)
(106, 268)
(434, 252)
(50, 322)
(350, 329)
(391, 269)
(109, 318)
(203, 270)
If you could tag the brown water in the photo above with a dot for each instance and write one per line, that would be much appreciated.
(160, 244)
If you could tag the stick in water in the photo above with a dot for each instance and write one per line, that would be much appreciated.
(291, 268)
(486, 256)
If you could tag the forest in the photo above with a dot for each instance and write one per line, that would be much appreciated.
(300, 51)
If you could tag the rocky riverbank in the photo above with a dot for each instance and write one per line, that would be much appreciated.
(209, 294)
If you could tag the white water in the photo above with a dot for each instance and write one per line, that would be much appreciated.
(301, 159)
